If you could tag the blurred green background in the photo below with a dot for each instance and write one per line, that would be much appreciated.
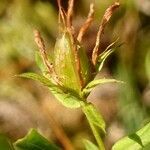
(125, 108)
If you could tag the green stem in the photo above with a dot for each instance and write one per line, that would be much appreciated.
(97, 136)
(93, 128)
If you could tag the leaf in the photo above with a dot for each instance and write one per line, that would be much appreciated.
(5, 144)
(65, 97)
(34, 141)
(89, 145)
(37, 77)
(94, 116)
(96, 82)
(137, 141)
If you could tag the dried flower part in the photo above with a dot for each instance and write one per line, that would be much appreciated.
(40, 43)
(70, 13)
(49, 65)
(72, 68)
(87, 23)
(108, 13)
(71, 62)
(61, 13)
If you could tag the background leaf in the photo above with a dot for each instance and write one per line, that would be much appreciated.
(34, 141)
(137, 141)
(5, 144)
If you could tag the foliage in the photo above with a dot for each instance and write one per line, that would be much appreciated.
(32, 141)
(139, 140)
(70, 76)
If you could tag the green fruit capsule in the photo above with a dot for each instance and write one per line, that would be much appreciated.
(65, 63)
(85, 65)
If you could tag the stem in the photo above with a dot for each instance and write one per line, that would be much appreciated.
(97, 136)
(94, 128)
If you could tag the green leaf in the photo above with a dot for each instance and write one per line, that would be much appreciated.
(34, 141)
(96, 82)
(5, 144)
(37, 77)
(89, 145)
(137, 141)
(65, 97)
(94, 116)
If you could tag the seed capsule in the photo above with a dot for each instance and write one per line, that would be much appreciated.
(72, 76)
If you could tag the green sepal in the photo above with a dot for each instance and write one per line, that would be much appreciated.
(34, 141)
(136, 141)
(67, 98)
(103, 56)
